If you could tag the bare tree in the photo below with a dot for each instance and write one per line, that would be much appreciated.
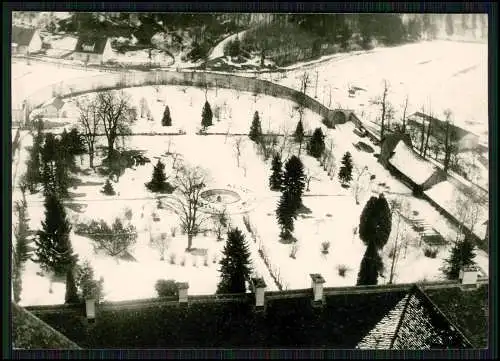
(468, 206)
(422, 133)
(89, 123)
(399, 210)
(237, 149)
(190, 183)
(227, 132)
(358, 186)
(449, 147)
(220, 222)
(310, 175)
(405, 108)
(429, 130)
(161, 243)
(143, 107)
(384, 106)
(116, 115)
(115, 240)
(304, 82)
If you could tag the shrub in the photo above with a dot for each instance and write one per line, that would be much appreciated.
(293, 250)
(108, 189)
(342, 269)
(214, 259)
(183, 261)
(430, 252)
(166, 288)
(205, 261)
(128, 214)
(171, 258)
(325, 246)
(173, 231)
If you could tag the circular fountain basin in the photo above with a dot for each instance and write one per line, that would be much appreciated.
(222, 196)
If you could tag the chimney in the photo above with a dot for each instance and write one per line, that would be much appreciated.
(90, 309)
(317, 286)
(259, 289)
(468, 275)
(182, 288)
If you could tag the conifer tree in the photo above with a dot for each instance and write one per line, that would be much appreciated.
(294, 181)
(87, 285)
(61, 174)
(255, 129)
(461, 255)
(206, 115)
(277, 173)
(21, 230)
(299, 134)
(34, 165)
(235, 264)
(375, 222)
(316, 145)
(108, 188)
(159, 182)
(345, 173)
(53, 247)
(71, 295)
(166, 121)
(49, 181)
(370, 268)
(286, 214)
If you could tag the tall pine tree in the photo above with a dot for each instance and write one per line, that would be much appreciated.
(461, 255)
(206, 115)
(235, 265)
(159, 182)
(299, 132)
(316, 145)
(275, 178)
(71, 295)
(255, 129)
(53, 247)
(166, 121)
(294, 181)
(286, 213)
(375, 223)
(345, 172)
(370, 268)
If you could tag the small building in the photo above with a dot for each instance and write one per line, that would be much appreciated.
(93, 49)
(25, 40)
(52, 108)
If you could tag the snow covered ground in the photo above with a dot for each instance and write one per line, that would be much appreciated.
(437, 75)
(334, 216)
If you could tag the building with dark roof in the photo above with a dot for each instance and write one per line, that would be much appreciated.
(367, 317)
(25, 40)
(92, 49)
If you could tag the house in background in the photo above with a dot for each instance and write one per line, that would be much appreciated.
(52, 108)
(25, 40)
(92, 49)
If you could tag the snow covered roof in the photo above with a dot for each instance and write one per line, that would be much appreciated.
(411, 164)
(446, 194)
(57, 102)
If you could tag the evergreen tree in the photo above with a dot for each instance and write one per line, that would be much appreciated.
(299, 132)
(159, 182)
(206, 116)
(49, 181)
(345, 172)
(235, 264)
(50, 149)
(461, 255)
(34, 166)
(71, 290)
(370, 268)
(293, 183)
(108, 188)
(53, 247)
(316, 145)
(255, 129)
(76, 142)
(21, 230)
(88, 287)
(375, 223)
(166, 121)
(277, 173)
(286, 214)
(61, 174)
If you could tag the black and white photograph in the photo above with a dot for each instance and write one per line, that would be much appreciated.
(249, 180)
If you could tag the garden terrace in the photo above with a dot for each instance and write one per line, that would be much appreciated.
(289, 318)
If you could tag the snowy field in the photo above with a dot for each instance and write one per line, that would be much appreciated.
(437, 75)
(333, 218)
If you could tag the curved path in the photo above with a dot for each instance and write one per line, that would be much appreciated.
(218, 50)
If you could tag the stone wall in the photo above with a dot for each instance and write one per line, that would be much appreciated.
(73, 87)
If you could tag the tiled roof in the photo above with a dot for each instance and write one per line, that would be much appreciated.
(423, 327)
(468, 310)
(22, 36)
(91, 44)
(288, 320)
(29, 332)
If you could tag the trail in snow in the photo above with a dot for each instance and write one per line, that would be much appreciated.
(218, 50)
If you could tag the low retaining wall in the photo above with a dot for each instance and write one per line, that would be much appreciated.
(101, 82)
